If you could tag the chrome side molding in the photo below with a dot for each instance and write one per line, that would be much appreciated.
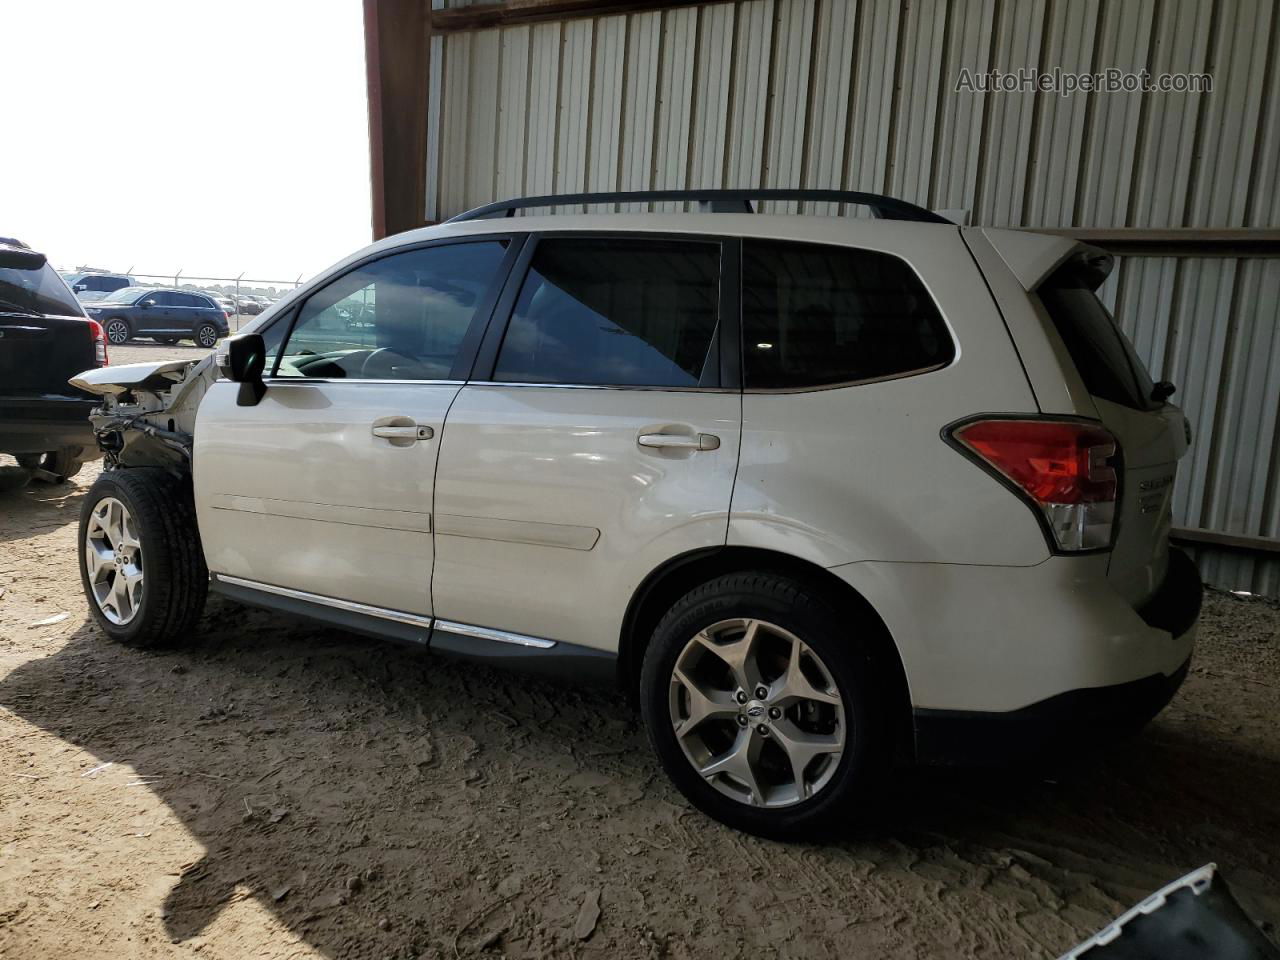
(399, 616)
(499, 636)
(413, 619)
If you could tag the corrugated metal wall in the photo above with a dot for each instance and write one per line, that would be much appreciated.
(861, 95)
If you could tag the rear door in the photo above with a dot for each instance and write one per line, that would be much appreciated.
(325, 487)
(598, 437)
(1152, 434)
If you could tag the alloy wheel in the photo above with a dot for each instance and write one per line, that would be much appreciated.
(757, 713)
(206, 336)
(118, 332)
(113, 558)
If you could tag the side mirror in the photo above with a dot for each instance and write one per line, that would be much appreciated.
(1162, 391)
(146, 304)
(242, 359)
(81, 288)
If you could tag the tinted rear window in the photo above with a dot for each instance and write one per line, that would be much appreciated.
(37, 291)
(1106, 361)
(817, 315)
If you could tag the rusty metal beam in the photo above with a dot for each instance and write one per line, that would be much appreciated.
(397, 51)
(1200, 537)
(480, 16)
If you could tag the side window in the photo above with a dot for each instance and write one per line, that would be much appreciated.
(399, 318)
(817, 315)
(614, 312)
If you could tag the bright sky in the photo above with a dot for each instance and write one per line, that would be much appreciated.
(215, 138)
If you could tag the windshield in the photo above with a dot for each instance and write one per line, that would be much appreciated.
(37, 291)
(125, 294)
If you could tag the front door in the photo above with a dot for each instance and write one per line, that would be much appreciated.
(326, 485)
(157, 312)
(598, 439)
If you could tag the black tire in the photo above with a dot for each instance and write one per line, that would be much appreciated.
(119, 331)
(176, 580)
(63, 464)
(205, 335)
(861, 772)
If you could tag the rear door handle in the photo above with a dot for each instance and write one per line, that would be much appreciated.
(411, 433)
(699, 441)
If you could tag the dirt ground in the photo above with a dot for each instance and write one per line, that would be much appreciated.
(274, 790)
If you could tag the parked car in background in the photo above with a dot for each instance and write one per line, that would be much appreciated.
(45, 338)
(249, 305)
(821, 494)
(164, 314)
(86, 285)
(227, 304)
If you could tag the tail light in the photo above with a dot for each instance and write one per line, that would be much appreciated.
(1064, 470)
(99, 343)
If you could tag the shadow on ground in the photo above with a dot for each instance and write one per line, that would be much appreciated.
(384, 803)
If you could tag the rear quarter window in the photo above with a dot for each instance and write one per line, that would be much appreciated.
(816, 315)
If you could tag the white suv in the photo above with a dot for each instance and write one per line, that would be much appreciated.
(821, 493)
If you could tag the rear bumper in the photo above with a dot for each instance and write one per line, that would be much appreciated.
(1061, 725)
(46, 423)
(1075, 719)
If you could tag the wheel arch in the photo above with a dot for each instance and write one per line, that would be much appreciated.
(680, 574)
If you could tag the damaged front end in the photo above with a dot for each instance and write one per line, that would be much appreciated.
(148, 411)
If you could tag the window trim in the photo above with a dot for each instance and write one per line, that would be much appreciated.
(865, 381)
(462, 363)
(726, 371)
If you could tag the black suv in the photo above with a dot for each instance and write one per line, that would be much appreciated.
(162, 314)
(45, 338)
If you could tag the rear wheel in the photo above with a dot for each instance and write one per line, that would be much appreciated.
(62, 464)
(141, 563)
(206, 335)
(118, 331)
(761, 701)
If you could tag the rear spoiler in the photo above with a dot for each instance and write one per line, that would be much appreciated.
(1034, 257)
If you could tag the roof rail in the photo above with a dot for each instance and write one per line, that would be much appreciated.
(711, 201)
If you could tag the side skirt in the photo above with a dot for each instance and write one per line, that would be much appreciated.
(499, 648)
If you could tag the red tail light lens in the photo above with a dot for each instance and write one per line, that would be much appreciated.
(1065, 469)
(99, 343)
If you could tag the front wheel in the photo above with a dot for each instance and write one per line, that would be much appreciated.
(141, 563)
(118, 331)
(760, 699)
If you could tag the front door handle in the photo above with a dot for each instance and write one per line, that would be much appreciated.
(699, 441)
(411, 432)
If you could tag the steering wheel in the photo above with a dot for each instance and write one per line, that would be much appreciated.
(369, 364)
